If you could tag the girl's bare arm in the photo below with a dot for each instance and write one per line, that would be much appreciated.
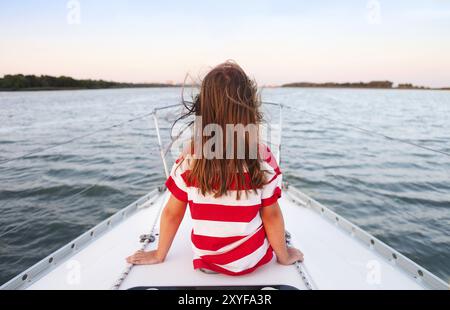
(171, 218)
(273, 222)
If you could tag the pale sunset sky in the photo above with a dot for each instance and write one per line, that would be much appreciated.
(276, 41)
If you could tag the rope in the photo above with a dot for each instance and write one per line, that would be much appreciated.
(367, 131)
(301, 269)
(124, 274)
(152, 152)
(36, 151)
(370, 132)
(85, 190)
(40, 150)
(70, 197)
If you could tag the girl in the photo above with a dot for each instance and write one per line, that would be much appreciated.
(237, 222)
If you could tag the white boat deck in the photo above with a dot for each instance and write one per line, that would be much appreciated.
(338, 255)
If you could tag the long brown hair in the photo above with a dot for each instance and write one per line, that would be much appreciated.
(227, 96)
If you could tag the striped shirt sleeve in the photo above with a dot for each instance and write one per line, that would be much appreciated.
(271, 191)
(175, 183)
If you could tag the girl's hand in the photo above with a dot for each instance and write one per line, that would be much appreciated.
(292, 255)
(144, 258)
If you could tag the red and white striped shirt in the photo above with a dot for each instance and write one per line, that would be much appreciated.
(228, 234)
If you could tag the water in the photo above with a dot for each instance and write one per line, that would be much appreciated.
(397, 192)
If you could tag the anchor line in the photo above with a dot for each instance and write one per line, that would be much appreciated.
(124, 274)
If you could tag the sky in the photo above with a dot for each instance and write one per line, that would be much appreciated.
(275, 41)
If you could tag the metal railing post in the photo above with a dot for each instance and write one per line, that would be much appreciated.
(280, 131)
(161, 148)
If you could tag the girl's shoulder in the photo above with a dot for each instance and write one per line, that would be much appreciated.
(268, 158)
(184, 159)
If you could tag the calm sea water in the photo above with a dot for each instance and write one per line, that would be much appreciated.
(399, 193)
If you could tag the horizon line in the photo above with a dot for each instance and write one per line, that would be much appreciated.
(328, 84)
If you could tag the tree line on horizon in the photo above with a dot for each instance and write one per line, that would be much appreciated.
(47, 82)
(12, 82)
(372, 84)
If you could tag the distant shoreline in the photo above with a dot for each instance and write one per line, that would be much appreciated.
(85, 88)
(361, 85)
(20, 82)
(368, 88)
